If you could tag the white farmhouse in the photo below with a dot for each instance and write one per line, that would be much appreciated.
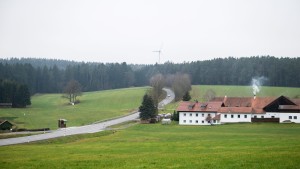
(240, 109)
(199, 113)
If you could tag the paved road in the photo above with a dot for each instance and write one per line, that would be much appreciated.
(93, 128)
(170, 97)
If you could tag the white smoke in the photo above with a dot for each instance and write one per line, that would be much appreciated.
(257, 82)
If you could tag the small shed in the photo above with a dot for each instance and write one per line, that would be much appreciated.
(5, 125)
(62, 123)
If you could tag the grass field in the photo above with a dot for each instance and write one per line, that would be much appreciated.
(258, 145)
(46, 109)
(198, 91)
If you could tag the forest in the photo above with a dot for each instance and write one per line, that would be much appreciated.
(51, 76)
(17, 95)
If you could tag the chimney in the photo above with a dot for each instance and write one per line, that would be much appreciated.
(225, 99)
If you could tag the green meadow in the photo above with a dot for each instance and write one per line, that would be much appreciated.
(198, 91)
(133, 145)
(46, 109)
(257, 145)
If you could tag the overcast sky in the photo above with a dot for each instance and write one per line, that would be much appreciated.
(130, 30)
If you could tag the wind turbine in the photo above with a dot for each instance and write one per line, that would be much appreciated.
(159, 52)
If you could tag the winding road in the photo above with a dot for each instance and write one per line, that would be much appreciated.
(92, 128)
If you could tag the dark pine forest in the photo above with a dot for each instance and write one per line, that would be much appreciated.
(50, 76)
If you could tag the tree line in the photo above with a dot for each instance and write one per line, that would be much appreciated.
(99, 76)
(13, 93)
(51, 79)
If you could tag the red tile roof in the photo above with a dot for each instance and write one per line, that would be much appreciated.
(233, 110)
(254, 105)
(199, 107)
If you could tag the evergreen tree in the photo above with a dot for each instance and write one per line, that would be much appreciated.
(25, 95)
(21, 96)
(175, 116)
(186, 96)
(12, 92)
(147, 109)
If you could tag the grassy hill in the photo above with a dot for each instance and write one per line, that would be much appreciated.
(46, 109)
(198, 91)
(257, 145)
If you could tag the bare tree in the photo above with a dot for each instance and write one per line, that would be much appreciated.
(157, 83)
(72, 90)
(181, 85)
(170, 80)
(209, 95)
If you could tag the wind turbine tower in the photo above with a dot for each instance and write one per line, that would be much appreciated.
(159, 52)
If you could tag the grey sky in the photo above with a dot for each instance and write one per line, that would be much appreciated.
(129, 30)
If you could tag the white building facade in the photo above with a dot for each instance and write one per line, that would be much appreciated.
(198, 118)
(240, 110)
(289, 117)
(235, 118)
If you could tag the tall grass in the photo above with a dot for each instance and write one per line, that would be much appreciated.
(257, 145)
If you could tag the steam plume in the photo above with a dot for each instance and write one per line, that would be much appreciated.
(257, 82)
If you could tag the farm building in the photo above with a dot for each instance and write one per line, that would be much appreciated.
(5, 125)
(240, 109)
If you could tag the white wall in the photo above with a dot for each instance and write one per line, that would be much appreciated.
(293, 117)
(236, 118)
(258, 115)
(270, 114)
(191, 118)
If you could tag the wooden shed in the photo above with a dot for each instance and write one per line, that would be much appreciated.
(5, 125)
(62, 123)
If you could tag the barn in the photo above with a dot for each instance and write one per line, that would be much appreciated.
(5, 125)
(240, 109)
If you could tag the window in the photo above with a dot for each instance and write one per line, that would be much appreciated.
(232, 116)
(197, 115)
(208, 114)
(202, 121)
(184, 114)
(295, 117)
(290, 117)
(225, 116)
(190, 121)
(190, 114)
(262, 117)
(245, 116)
(255, 117)
(239, 116)
(196, 121)
(202, 115)
(214, 121)
(273, 116)
(184, 121)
